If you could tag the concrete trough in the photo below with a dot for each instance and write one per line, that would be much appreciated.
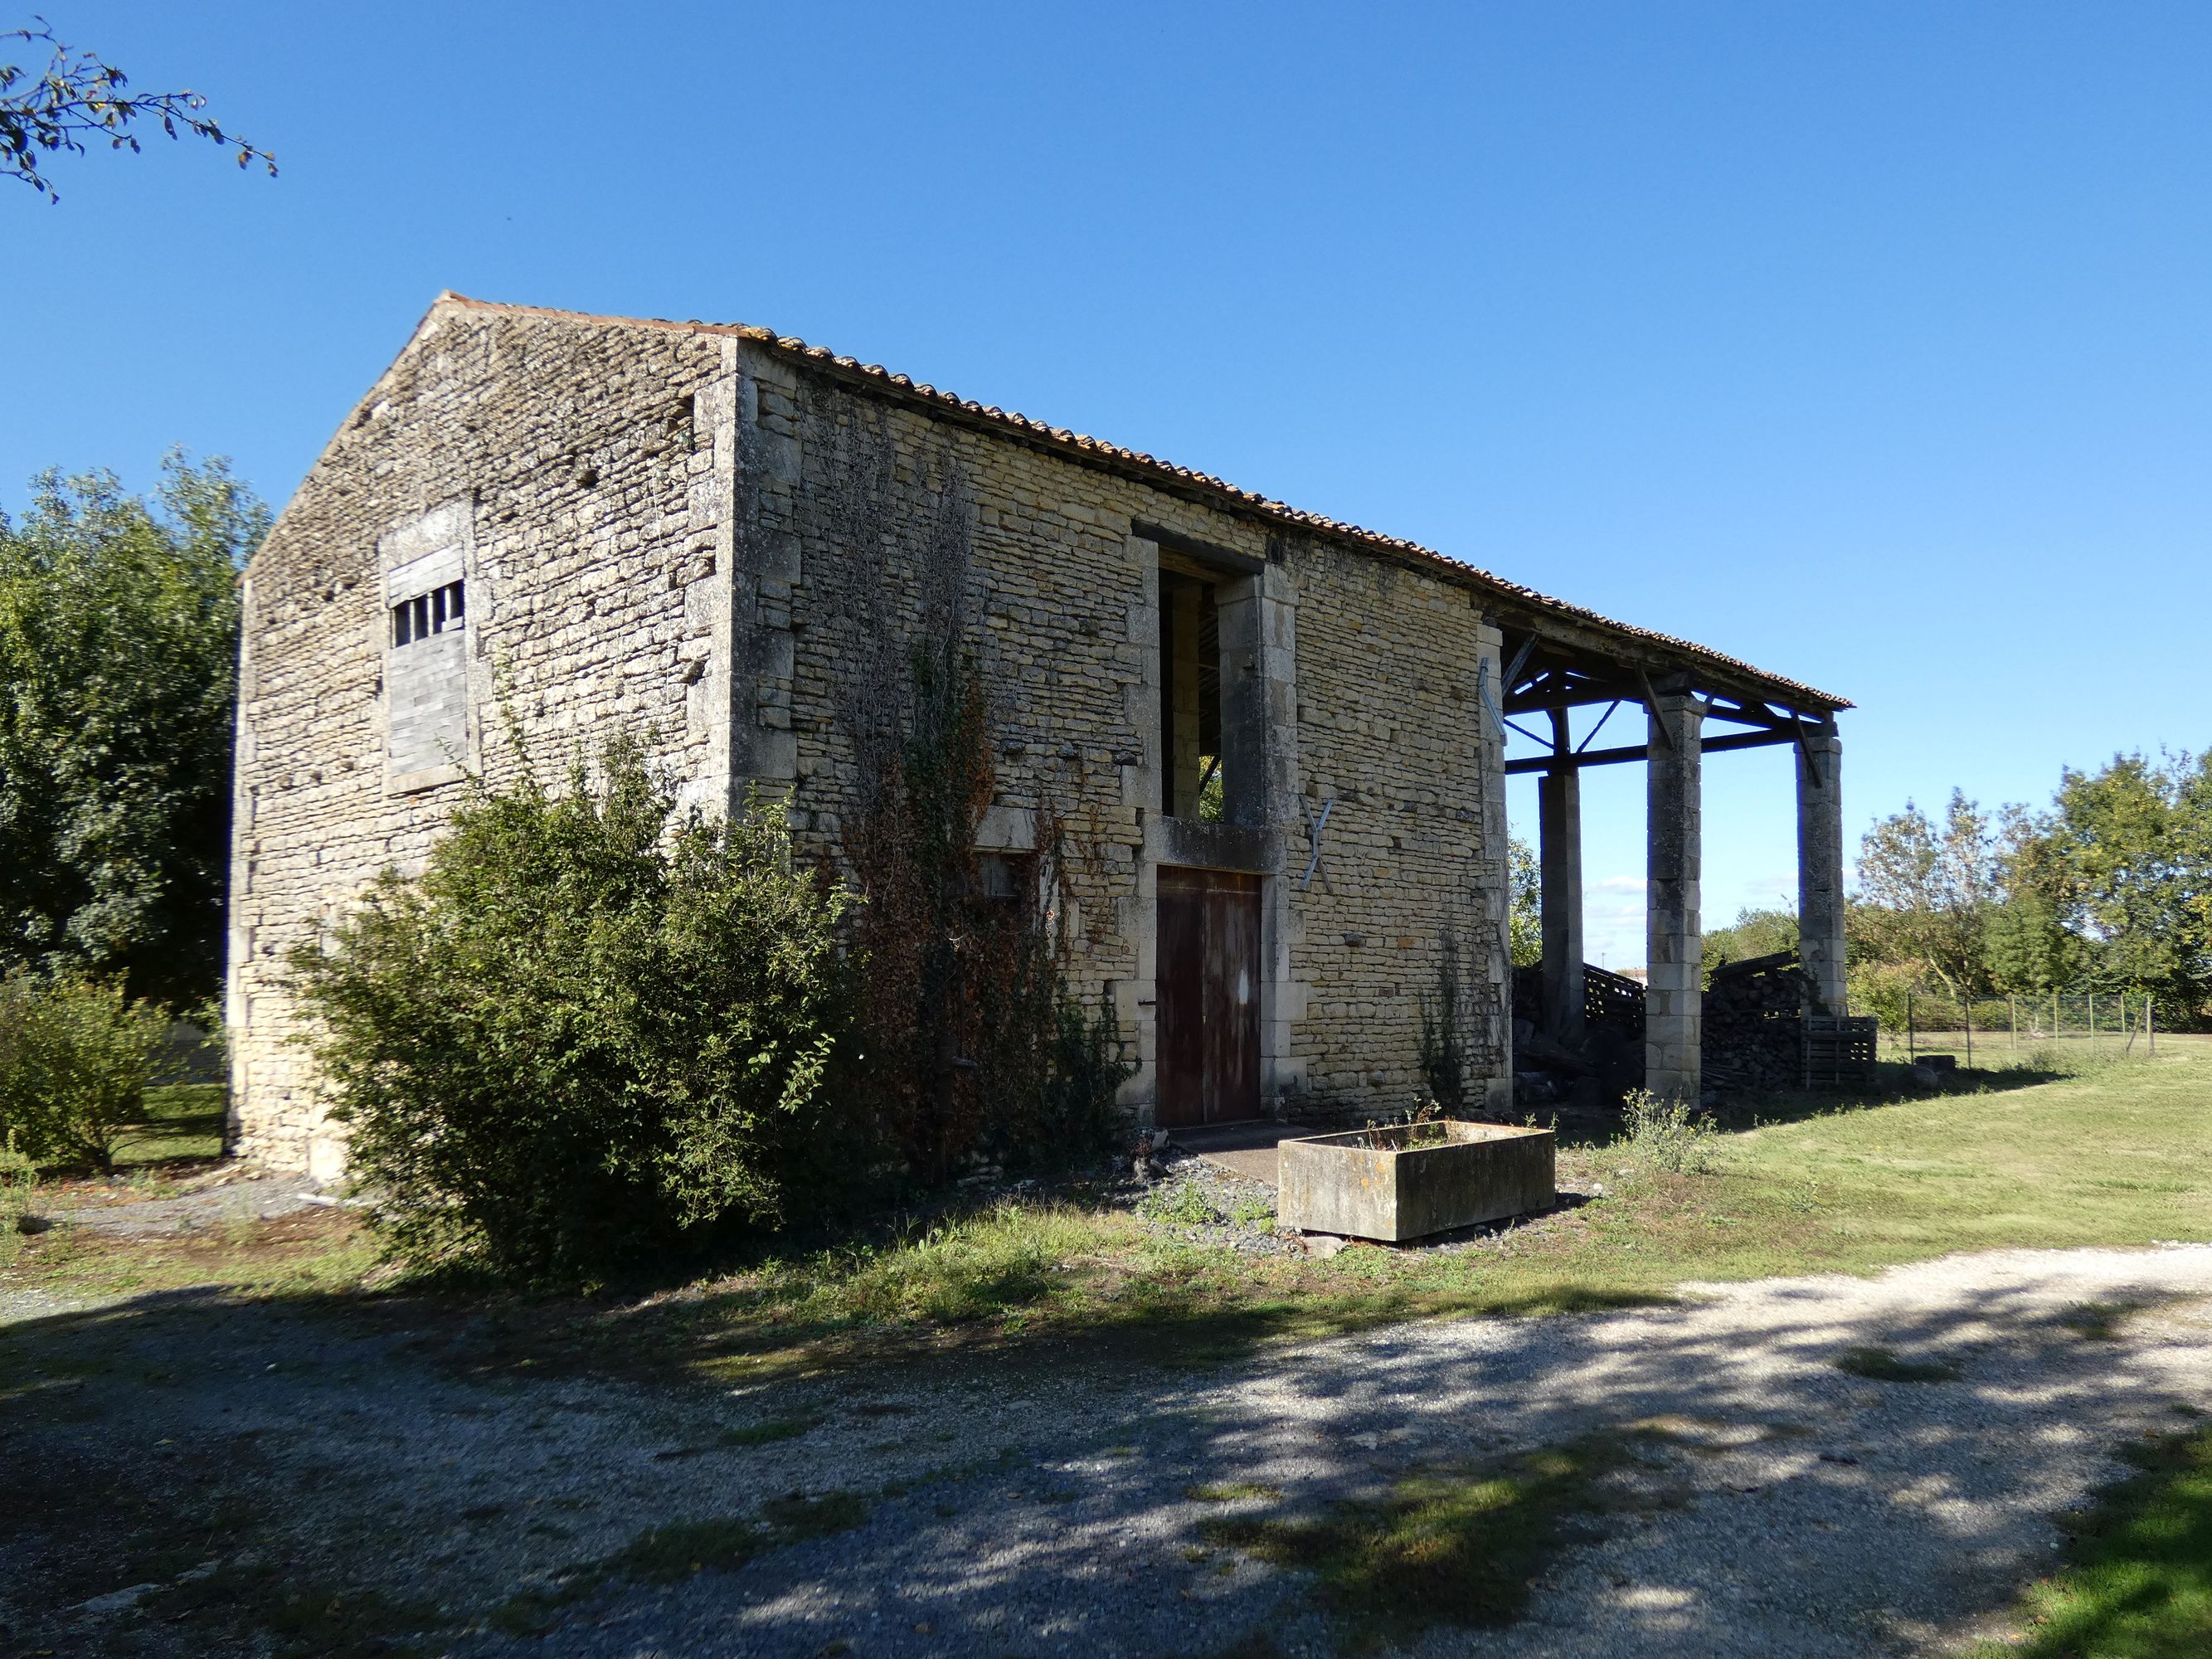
(1407, 1180)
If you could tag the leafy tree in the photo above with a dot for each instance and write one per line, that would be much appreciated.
(119, 644)
(1754, 933)
(588, 1035)
(1926, 891)
(1524, 916)
(2025, 948)
(76, 99)
(2123, 860)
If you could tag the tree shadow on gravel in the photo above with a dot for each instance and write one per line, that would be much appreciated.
(268, 1478)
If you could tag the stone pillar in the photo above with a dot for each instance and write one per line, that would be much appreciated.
(1559, 829)
(1256, 622)
(1674, 944)
(1489, 960)
(1136, 1000)
(1820, 865)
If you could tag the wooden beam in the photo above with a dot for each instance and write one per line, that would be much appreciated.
(1535, 695)
(1513, 669)
(1642, 751)
(1570, 689)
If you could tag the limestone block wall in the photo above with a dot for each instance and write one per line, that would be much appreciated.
(726, 545)
(574, 477)
(1369, 671)
(840, 497)
(1392, 731)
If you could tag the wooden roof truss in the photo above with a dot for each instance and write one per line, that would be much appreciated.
(1546, 677)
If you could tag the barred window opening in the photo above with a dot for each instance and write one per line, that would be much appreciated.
(435, 612)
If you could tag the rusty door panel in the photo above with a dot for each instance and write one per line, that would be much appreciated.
(1209, 996)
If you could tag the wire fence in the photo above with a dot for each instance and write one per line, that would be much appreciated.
(1994, 1029)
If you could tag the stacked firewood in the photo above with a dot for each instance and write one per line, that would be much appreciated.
(1755, 1023)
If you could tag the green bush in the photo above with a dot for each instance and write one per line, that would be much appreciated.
(75, 1055)
(1882, 989)
(587, 1035)
(19, 1184)
(1667, 1134)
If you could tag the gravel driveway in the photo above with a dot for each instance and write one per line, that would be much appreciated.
(1776, 1505)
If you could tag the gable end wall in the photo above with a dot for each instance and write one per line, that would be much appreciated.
(583, 474)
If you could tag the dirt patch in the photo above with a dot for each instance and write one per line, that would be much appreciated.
(132, 1206)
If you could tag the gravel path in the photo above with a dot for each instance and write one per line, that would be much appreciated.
(230, 1194)
(1778, 1506)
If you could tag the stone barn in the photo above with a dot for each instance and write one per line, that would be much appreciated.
(1276, 743)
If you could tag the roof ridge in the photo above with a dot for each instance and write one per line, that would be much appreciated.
(1099, 449)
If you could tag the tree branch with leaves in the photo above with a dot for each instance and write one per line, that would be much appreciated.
(77, 101)
(1927, 890)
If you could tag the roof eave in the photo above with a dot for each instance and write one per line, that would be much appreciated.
(1512, 601)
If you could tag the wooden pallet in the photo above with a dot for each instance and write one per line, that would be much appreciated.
(1613, 1000)
(1838, 1051)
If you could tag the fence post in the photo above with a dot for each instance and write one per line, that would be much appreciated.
(2092, 1024)
(2012, 1018)
(1969, 1001)
(2129, 1047)
(1911, 1051)
(2150, 1023)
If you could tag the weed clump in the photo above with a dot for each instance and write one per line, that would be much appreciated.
(768, 1433)
(2098, 1321)
(668, 1553)
(1180, 1204)
(1667, 1135)
(1230, 1492)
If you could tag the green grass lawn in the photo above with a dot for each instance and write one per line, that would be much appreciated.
(2137, 1579)
(2116, 1155)
(183, 1123)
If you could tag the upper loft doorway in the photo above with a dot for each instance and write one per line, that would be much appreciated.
(1192, 781)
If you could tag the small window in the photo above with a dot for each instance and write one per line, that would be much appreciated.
(435, 612)
(1003, 877)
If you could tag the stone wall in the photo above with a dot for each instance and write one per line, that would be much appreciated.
(723, 544)
(568, 472)
(1371, 688)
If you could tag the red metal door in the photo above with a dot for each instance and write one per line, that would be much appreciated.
(1209, 997)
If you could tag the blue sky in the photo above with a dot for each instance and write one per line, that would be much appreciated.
(1867, 342)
